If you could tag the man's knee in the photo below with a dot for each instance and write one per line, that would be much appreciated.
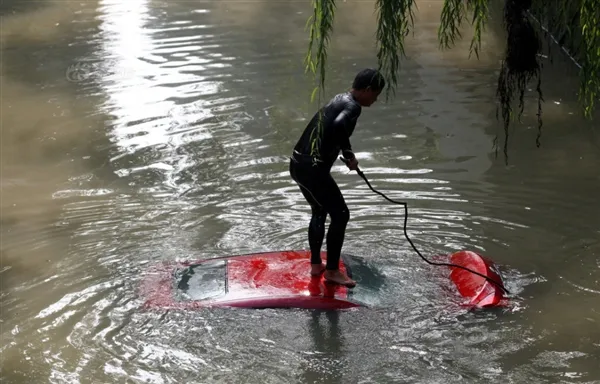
(341, 216)
(319, 215)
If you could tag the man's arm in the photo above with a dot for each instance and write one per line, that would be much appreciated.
(344, 125)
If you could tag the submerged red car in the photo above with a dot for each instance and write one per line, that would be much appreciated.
(262, 280)
(281, 280)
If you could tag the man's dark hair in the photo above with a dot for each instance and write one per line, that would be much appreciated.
(369, 78)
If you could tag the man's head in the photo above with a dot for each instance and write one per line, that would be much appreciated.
(367, 86)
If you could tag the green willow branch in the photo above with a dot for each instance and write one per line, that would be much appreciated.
(453, 14)
(560, 20)
(394, 22)
(480, 17)
(590, 72)
(575, 23)
(320, 26)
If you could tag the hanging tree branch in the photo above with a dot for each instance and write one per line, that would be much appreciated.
(320, 27)
(576, 22)
(453, 14)
(520, 65)
(590, 73)
(575, 27)
(394, 22)
(479, 8)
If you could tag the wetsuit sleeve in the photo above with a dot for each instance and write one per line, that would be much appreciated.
(344, 125)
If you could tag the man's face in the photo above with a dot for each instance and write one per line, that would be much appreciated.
(369, 96)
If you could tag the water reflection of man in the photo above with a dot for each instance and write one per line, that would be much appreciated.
(326, 365)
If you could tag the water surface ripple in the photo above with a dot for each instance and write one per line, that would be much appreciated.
(179, 150)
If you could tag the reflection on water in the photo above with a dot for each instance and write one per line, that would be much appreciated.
(144, 131)
(325, 362)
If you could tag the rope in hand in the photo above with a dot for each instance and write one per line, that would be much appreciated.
(362, 175)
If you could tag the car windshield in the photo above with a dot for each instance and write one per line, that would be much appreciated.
(370, 281)
(201, 281)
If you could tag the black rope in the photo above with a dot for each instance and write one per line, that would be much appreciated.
(361, 174)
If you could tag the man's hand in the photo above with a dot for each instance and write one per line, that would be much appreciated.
(352, 164)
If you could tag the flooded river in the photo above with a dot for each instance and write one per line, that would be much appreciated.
(139, 131)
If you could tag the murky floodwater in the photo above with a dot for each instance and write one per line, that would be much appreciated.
(140, 131)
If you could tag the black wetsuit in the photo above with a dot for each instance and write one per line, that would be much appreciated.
(310, 165)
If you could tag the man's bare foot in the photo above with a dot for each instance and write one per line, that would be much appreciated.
(338, 277)
(316, 269)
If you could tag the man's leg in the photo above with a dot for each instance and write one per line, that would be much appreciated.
(335, 205)
(316, 234)
(337, 230)
(324, 195)
(316, 231)
(316, 228)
